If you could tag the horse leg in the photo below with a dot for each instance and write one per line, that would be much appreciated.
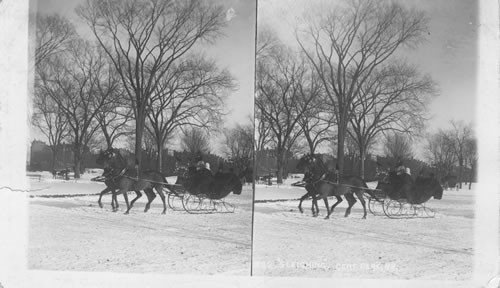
(105, 191)
(159, 189)
(325, 199)
(125, 196)
(362, 200)
(339, 199)
(317, 208)
(151, 196)
(302, 199)
(351, 200)
(138, 195)
(114, 199)
(314, 203)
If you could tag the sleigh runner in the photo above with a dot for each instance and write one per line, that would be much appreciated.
(201, 203)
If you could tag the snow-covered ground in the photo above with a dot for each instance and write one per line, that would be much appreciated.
(288, 243)
(73, 233)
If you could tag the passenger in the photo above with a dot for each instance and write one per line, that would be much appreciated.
(199, 162)
(400, 167)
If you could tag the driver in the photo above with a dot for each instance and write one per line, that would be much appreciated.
(331, 174)
(199, 161)
(400, 167)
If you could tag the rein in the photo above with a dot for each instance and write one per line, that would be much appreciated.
(350, 186)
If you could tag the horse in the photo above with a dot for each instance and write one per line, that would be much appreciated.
(310, 192)
(201, 181)
(403, 187)
(329, 185)
(129, 179)
(450, 182)
(110, 187)
(311, 178)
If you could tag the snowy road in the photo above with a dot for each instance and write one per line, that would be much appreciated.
(287, 243)
(75, 234)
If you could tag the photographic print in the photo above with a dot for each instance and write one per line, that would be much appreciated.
(140, 155)
(366, 151)
(249, 143)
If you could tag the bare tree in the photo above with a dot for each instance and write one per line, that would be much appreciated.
(262, 132)
(351, 151)
(398, 146)
(317, 125)
(349, 42)
(195, 141)
(268, 44)
(440, 152)
(471, 157)
(53, 35)
(78, 82)
(115, 114)
(394, 98)
(48, 118)
(460, 134)
(239, 144)
(191, 94)
(285, 90)
(114, 122)
(144, 38)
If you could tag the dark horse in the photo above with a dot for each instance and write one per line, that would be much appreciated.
(110, 187)
(128, 179)
(109, 181)
(403, 187)
(327, 185)
(311, 179)
(200, 181)
(449, 182)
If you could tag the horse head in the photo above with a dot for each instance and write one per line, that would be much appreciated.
(312, 164)
(303, 162)
(111, 158)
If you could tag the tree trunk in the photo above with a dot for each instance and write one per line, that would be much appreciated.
(472, 175)
(340, 145)
(280, 166)
(159, 160)
(460, 172)
(311, 147)
(108, 139)
(362, 156)
(54, 158)
(139, 127)
(77, 160)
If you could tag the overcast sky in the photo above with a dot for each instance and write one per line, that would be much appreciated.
(234, 51)
(449, 54)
